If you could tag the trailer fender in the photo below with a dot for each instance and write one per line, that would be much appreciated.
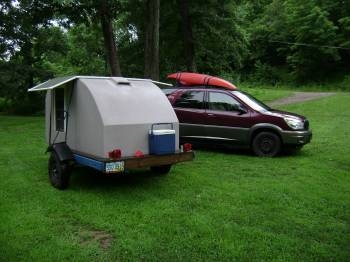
(62, 151)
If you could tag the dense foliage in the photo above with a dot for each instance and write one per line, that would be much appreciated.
(269, 41)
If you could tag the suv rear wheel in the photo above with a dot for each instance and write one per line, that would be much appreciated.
(266, 144)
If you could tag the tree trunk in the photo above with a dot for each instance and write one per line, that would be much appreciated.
(109, 39)
(187, 36)
(28, 61)
(152, 40)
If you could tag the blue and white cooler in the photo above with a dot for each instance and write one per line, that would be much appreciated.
(161, 141)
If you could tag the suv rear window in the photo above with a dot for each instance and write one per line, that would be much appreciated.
(190, 99)
(168, 91)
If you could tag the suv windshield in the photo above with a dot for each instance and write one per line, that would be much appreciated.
(251, 101)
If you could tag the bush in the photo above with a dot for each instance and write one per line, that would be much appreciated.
(345, 84)
(30, 105)
(265, 73)
(3, 104)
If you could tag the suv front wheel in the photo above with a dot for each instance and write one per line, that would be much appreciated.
(266, 144)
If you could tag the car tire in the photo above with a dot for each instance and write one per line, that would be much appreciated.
(163, 170)
(59, 172)
(266, 144)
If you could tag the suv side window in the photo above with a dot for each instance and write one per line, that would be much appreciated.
(190, 99)
(222, 102)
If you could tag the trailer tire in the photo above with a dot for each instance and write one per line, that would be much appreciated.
(59, 172)
(164, 169)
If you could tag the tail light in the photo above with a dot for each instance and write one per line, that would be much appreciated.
(115, 154)
(187, 147)
(138, 153)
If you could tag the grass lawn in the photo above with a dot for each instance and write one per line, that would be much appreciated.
(267, 94)
(222, 206)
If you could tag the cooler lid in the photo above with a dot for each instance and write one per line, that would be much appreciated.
(160, 132)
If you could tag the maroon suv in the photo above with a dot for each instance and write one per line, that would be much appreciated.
(235, 118)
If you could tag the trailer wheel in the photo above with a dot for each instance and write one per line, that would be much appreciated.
(59, 172)
(164, 169)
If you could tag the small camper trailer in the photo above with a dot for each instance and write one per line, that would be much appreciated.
(110, 124)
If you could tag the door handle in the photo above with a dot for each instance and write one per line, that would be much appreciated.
(210, 114)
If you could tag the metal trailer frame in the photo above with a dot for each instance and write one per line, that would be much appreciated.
(64, 154)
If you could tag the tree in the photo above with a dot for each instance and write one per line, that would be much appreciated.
(220, 36)
(104, 11)
(152, 39)
(188, 41)
(21, 24)
(298, 39)
(89, 12)
(309, 24)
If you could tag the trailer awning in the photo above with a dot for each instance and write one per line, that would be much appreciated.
(52, 83)
(58, 81)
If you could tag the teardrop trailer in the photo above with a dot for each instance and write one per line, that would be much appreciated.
(110, 124)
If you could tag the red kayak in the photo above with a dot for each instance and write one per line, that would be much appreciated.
(192, 79)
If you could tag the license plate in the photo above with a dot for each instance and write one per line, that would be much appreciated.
(114, 167)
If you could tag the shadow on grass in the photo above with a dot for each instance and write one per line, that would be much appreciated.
(223, 149)
(90, 179)
(229, 150)
(87, 178)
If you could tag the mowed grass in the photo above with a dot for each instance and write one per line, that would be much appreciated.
(267, 94)
(223, 206)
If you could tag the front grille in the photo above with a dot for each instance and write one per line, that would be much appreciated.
(306, 124)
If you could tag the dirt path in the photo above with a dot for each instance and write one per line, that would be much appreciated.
(300, 97)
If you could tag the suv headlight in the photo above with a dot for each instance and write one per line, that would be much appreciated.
(294, 123)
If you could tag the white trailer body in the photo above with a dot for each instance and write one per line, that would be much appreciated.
(92, 116)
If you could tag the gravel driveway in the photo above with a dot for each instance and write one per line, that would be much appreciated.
(300, 97)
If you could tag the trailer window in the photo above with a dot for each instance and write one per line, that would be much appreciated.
(59, 109)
